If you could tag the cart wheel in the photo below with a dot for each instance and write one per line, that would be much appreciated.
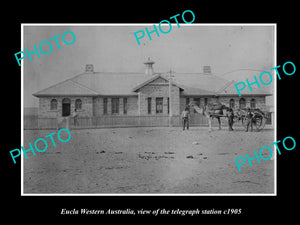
(259, 122)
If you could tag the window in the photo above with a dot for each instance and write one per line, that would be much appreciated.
(231, 103)
(149, 105)
(242, 103)
(124, 105)
(115, 105)
(187, 101)
(197, 101)
(252, 103)
(104, 106)
(159, 105)
(78, 104)
(53, 104)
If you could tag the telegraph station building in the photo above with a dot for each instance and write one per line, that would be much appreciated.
(97, 94)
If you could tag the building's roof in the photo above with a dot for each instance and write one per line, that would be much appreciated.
(240, 75)
(199, 83)
(125, 84)
(66, 88)
(230, 89)
(112, 83)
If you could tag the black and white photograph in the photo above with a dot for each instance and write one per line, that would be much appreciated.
(129, 109)
(150, 111)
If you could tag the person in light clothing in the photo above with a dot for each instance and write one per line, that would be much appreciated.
(75, 116)
(185, 118)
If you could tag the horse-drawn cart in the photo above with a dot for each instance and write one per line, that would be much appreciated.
(218, 111)
(259, 118)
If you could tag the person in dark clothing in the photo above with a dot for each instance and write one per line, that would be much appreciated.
(249, 122)
(185, 118)
(230, 116)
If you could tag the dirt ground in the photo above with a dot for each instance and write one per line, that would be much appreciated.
(149, 160)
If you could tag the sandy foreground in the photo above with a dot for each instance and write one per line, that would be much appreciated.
(149, 160)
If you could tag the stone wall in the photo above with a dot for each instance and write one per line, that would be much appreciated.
(45, 111)
(132, 105)
(260, 101)
(203, 100)
(93, 106)
(159, 91)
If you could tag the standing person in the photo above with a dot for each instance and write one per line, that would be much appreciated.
(75, 116)
(230, 116)
(185, 118)
(249, 117)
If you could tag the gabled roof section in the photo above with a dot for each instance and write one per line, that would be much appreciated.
(229, 89)
(155, 77)
(223, 89)
(66, 88)
(199, 83)
(240, 75)
(193, 91)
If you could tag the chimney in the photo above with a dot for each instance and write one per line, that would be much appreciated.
(89, 68)
(149, 68)
(206, 69)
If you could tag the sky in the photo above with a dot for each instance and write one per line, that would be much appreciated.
(113, 48)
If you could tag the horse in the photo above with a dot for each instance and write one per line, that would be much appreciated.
(259, 117)
(210, 111)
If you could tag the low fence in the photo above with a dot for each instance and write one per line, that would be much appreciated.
(34, 122)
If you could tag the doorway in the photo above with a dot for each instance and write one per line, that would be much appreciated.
(66, 107)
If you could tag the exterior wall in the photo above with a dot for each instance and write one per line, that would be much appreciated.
(44, 108)
(132, 105)
(260, 101)
(97, 106)
(182, 103)
(159, 91)
(93, 106)
(183, 100)
(45, 111)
